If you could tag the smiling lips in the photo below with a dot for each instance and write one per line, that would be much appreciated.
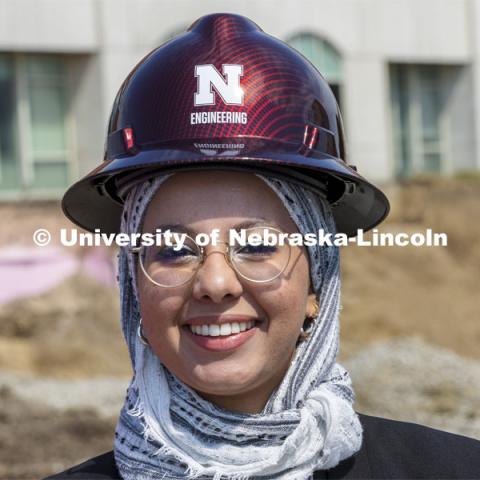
(221, 333)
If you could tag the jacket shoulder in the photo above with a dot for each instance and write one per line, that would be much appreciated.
(398, 449)
(101, 467)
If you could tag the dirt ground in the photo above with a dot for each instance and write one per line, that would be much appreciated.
(430, 291)
(36, 441)
(73, 331)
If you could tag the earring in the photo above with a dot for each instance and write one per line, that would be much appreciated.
(140, 334)
(316, 311)
(309, 319)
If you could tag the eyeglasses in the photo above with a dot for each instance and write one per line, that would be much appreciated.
(175, 264)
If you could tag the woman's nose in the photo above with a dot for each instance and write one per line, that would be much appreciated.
(216, 280)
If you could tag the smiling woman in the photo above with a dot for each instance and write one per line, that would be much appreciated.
(233, 347)
(212, 378)
(240, 379)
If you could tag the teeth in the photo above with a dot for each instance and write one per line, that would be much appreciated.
(224, 329)
(213, 330)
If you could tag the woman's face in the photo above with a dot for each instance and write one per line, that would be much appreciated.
(241, 378)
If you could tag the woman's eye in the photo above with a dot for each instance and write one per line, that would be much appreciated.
(257, 250)
(171, 253)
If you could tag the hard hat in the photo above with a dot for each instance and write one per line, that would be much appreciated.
(224, 94)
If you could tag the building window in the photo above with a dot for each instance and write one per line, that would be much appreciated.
(323, 56)
(34, 146)
(419, 95)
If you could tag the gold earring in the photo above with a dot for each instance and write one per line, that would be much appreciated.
(316, 311)
(140, 334)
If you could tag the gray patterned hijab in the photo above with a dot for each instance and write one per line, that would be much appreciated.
(166, 430)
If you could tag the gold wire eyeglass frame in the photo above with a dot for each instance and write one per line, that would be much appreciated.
(227, 253)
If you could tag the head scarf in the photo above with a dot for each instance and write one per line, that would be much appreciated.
(167, 430)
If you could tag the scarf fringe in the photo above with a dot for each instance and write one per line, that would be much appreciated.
(192, 472)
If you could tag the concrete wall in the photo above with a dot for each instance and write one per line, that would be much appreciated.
(48, 26)
(462, 143)
(88, 117)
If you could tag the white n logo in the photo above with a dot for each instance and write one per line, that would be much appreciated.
(208, 76)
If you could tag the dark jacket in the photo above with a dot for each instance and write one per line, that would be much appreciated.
(390, 449)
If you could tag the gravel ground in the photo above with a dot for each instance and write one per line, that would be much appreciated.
(103, 395)
(407, 379)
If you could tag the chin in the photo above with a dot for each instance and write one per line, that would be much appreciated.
(216, 383)
(223, 390)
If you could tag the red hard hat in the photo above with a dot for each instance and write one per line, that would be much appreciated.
(224, 94)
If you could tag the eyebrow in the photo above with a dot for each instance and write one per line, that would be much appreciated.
(177, 228)
(260, 222)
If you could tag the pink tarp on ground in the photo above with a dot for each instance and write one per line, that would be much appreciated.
(29, 271)
(98, 263)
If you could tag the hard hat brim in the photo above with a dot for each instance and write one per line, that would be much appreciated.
(94, 201)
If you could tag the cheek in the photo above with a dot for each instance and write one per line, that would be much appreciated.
(286, 305)
(294, 293)
(160, 311)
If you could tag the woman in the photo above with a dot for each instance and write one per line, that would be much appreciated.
(234, 346)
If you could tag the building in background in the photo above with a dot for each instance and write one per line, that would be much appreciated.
(406, 74)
